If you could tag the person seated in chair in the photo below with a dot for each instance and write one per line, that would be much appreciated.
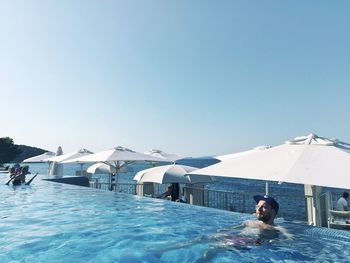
(342, 203)
(173, 191)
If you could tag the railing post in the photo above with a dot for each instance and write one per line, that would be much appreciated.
(145, 189)
(111, 181)
(244, 204)
(207, 197)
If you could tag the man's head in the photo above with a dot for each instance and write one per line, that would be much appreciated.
(266, 208)
(346, 195)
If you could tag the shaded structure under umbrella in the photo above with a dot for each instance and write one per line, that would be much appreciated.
(102, 168)
(308, 160)
(174, 173)
(70, 156)
(41, 158)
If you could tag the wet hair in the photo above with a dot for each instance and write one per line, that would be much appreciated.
(345, 194)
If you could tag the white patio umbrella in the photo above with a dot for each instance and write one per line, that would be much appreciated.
(117, 157)
(174, 173)
(70, 156)
(307, 160)
(41, 158)
(169, 157)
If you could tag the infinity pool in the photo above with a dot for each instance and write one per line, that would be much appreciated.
(51, 222)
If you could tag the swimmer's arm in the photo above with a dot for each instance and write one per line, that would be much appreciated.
(178, 245)
(225, 230)
(285, 232)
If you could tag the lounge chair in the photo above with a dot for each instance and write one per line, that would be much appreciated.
(339, 219)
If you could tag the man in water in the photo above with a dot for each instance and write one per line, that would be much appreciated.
(266, 210)
(245, 236)
(264, 227)
(256, 232)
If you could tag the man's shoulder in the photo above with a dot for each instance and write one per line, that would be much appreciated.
(258, 224)
(251, 223)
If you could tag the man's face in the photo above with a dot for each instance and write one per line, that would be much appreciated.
(264, 211)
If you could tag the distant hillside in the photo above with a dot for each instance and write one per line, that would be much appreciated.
(27, 152)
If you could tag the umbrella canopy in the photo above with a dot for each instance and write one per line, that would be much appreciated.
(42, 158)
(70, 156)
(102, 168)
(115, 156)
(308, 160)
(234, 155)
(168, 157)
(174, 173)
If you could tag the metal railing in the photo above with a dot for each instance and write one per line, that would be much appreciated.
(227, 200)
(242, 202)
(128, 188)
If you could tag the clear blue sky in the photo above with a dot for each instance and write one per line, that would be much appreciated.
(192, 78)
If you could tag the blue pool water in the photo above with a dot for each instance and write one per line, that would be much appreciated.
(290, 196)
(51, 222)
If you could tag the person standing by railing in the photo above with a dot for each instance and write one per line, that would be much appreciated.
(342, 203)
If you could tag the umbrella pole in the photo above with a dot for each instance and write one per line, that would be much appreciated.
(116, 180)
(116, 174)
(81, 169)
(266, 187)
